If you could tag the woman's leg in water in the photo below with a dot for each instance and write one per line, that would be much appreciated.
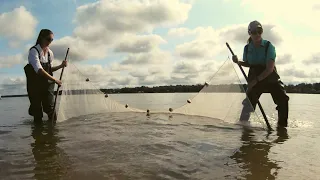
(48, 102)
(280, 98)
(250, 103)
(35, 108)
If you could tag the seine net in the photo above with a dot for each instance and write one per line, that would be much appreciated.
(220, 97)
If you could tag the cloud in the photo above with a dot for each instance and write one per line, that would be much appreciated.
(185, 68)
(103, 25)
(181, 32)
(210, 42)
(10, 61)
(10, 23)
(120, 67)
(301, 73)
(138, 43)
(316, 7)
(122, 81)
(205, 44)
(155, 70)
(13, 81)
(119, 75)
(139, 73)
(295, 73)
(80, 50)
(156, 56)
(239, 33)
(284, 59)
(314, 59)
(192, 71)
(109, 19)
(197, 49)
(302, 13)
(13, 85)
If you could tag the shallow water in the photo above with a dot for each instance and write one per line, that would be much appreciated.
(136, 146)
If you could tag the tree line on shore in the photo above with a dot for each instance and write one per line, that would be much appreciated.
(299, 88)
(305, 88)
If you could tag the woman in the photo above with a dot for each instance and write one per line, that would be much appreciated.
(40, 80)
(260, 56)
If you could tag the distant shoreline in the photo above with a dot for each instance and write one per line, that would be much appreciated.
(25, 95)
(297, 89)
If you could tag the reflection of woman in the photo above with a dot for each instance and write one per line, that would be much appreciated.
(252, 156)
(39, 72)
(46, 153)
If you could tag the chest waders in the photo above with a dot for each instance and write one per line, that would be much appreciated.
(40, 91)
(271, 84)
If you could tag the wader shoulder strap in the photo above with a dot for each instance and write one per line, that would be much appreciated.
(36, 49)
(49, 58)
(266, 53)
(267, 47)
(246, 51)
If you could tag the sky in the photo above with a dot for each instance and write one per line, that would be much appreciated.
(119, 43)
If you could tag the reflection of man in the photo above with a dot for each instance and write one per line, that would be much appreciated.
(252, 156)
(46, 153)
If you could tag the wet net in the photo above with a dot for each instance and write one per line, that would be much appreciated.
(221, 97)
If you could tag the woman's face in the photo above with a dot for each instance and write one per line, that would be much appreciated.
(256, 35)
(47, 40)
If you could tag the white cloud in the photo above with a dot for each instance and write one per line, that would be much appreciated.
(316, 7)
(130, 75)
(80, 50)
(17, 25)
(303, 13)
(313, 60)
(181, 32)
(294, 72)
(109, 19)
(9, 61)
(104, 24)
(155, 56)
(139, 73)
(210, 42)
(138, 43)
(126, 26)
(284, 59)
(197, 49)
(186, 68)
(12, 85)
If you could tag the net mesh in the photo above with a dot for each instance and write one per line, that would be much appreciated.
(221, 97)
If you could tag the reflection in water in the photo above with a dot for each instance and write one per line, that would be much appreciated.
(252, 156)
(50, 163)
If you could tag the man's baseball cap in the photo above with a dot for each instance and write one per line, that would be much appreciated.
(254, 26)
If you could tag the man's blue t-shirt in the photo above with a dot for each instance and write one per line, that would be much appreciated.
(256, 55)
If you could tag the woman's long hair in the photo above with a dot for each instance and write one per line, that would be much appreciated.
(249, 40)
(43, 33)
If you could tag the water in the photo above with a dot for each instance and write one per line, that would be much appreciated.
(136, 146)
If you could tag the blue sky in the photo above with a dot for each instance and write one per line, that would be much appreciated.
(187, 34)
